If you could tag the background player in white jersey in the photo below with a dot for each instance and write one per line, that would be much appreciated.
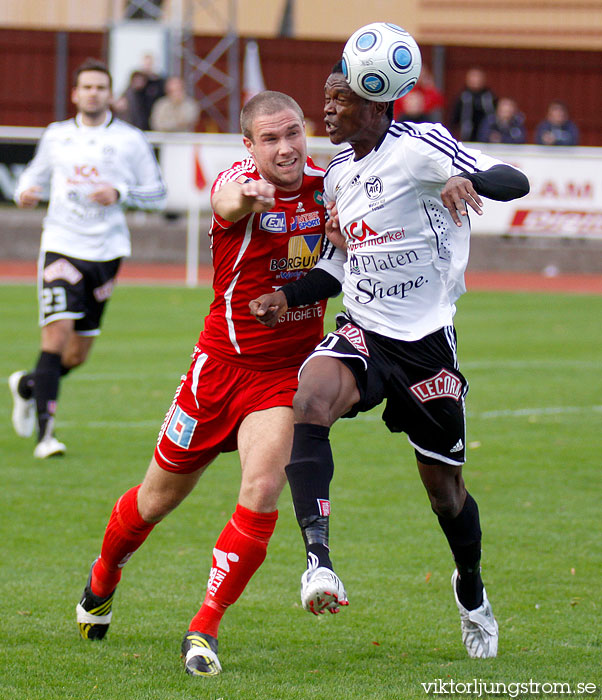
(89, 168)
(401, 192)
(267, 228)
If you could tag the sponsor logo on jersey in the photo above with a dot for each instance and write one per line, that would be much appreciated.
(273, 221)
(303, 221)
(359, 262)
(181, 428)
(303, 253)
(360, 235)
(62, 269)
(373, 187)
(319, 198)
(444, 384)
(354, 267)
(368, 289)
(300, 207)
(355, 336)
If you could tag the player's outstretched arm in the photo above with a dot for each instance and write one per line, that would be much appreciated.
(235, 200)
(501, 182)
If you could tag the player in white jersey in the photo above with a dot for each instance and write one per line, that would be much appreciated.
(89, 168)
(400, 194)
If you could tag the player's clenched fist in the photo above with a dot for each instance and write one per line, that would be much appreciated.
(261, 194)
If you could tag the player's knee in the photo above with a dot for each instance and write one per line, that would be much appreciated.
(309, 407)
(446, 504)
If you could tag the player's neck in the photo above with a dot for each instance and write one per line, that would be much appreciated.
(93, 119)
(369, 140)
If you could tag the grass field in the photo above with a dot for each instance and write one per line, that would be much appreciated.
(534, 427)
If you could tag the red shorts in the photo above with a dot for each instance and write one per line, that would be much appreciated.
(209, 406)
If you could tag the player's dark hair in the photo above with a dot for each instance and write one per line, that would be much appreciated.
(265, 103)
(92, 64)
(338, 68)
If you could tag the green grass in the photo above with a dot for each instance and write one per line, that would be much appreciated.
(534, 428)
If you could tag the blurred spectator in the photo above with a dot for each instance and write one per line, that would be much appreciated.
(421, 103)
(176, 111)
(473, 104)
(155, 84)
(557, 129)
(136, 103)
(131, 106)
(507, 125)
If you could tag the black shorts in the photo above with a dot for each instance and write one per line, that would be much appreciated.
(73, 288)
(420, 381)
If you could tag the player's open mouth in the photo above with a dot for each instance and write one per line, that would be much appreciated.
(287, 163)
(329, 126)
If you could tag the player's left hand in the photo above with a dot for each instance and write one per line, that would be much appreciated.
(105, 195)
(456, 194)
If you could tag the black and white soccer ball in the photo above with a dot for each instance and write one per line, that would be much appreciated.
(381, 62)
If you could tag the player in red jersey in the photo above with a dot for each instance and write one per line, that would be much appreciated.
(267, 229)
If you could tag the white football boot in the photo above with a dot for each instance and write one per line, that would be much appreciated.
(24, 410)
(49, 447)
(479, 627)
(322, 589)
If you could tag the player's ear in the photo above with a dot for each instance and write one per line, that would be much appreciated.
(248, 144)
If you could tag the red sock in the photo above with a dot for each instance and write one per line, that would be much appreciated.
(125, 532)
(238, 553)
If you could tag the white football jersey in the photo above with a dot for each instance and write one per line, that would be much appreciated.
(405, 255)
(71, 161)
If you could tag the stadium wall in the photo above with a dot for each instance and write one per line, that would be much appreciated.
(533, 77)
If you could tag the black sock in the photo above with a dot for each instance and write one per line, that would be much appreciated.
(464, 536)
(26, 384)
(309, 475)
(65, 370)
(46, 390)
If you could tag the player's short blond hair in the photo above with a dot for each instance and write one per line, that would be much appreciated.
(265, 103)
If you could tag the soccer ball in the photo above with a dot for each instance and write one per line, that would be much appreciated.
(381, 62)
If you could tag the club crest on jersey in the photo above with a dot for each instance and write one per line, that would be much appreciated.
(373, 187)
(303, 253)
(273, 221)
(444, 384)
(181, 428)
(355, 336)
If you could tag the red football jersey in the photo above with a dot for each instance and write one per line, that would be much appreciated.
(256, 255)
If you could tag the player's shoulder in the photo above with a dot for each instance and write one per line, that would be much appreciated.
(242, 168)
(60, 127)
(427, 134)
(117, 125)
(339, 161)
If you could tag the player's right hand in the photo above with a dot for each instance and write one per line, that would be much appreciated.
(30, 197)
(268, 309)
(259, 194)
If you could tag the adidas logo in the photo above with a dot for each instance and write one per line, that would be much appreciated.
(458, 446)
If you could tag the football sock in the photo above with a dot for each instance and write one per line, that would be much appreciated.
(125, 533)
(25, 385)
(47, 376)
(238, 553)
(27, 382)
(309, 475)
(464, 536)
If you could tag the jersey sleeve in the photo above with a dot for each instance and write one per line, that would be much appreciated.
(39, 171)
(232, 174)
(433, 155)
(148, 190)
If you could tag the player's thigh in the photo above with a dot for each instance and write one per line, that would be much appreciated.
(162, 491)
(327, 390)
(265, 440)
(77, 350)
(57, 335)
